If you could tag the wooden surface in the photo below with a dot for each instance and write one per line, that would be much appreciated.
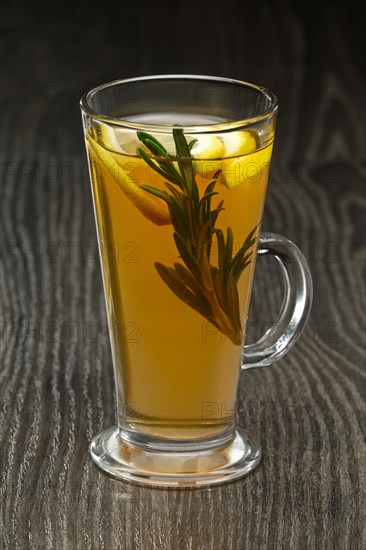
(56, 377)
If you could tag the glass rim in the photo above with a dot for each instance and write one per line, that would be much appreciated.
(216, 127)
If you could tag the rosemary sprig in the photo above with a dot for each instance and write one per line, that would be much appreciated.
(211, 290)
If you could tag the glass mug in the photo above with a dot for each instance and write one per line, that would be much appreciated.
(179, 167)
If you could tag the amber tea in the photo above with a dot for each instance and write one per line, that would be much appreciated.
(182, 207)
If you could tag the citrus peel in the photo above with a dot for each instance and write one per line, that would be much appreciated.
(153, 209)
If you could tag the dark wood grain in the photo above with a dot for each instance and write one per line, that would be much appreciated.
(56, 378)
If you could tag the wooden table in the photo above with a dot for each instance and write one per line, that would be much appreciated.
(56, 376)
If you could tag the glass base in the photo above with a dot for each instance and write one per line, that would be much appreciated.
(122, 460)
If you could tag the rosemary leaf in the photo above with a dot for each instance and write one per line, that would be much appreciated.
(201, 245)
(148, 139)
(219, 289)
(233, 302)
(221, 249)
(216, 212)
(157, 192)
(191, 143)
(187, 256)
(150, 162)
(229, 244)
(177, 195)
(211, 290)
(239, 256)
(190, 281)
(171, 278)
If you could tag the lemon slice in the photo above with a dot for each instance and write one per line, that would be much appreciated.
(207, 147)
(153, 209)
(118, 139)
(239, 143)
(246, 168)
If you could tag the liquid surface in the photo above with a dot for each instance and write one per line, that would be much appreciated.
(185, 119)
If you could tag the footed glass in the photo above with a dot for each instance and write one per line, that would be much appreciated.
(179, 167)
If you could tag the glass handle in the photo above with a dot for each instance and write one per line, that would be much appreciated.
(296, 305)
